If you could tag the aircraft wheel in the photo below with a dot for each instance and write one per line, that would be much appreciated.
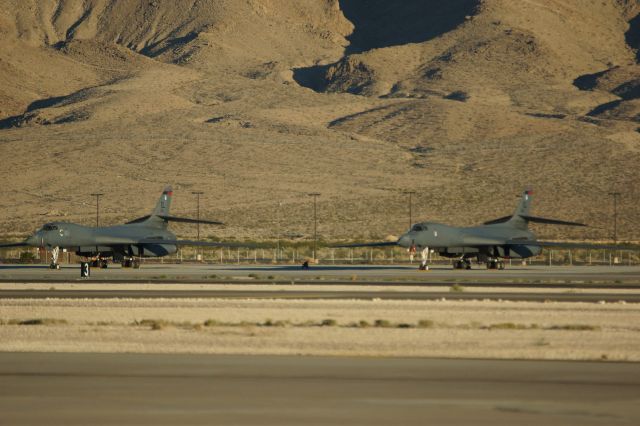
(136, 264)
(501, 265)
(104, 264)
(54, 266)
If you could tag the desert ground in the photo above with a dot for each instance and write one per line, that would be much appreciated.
(450, 329)
(259, 102)
(562, 313)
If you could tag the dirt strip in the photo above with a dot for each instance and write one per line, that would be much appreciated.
(466, 329)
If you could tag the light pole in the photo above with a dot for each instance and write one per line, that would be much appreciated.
(278, 230)
(410, 193)
(97, 195)
(315, 196)
(198, 194)
(615, 196)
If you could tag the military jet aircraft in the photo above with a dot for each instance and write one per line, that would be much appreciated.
(490, 243)
(146, 236)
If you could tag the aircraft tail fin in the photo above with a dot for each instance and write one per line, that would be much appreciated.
(522, 217)
(161, 210)
(518, 220)
(164, 203)
(160, 216)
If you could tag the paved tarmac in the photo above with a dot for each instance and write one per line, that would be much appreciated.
(324, 294)
(110, 389)
(341, 273)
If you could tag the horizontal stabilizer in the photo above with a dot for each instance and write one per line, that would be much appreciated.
(175, 219)
(379, 244)
(188, 220)
(138, 220)
(533, 219)
(499, 220)
(7, 245)
(550, 221)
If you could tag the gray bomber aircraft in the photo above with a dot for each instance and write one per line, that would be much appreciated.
(503, 238)
(146, 236)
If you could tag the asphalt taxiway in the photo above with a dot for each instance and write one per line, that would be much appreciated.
(544, 283)
(79, 389)
(387, 274)
(324, 295)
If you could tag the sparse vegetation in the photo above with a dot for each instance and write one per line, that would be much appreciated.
(382, 323)
(425, 323)
(270, 323)
(456, 288)
(37, 321)
(575, 327)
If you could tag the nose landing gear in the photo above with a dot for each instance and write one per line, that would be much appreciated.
(424, 254)
(55, 253)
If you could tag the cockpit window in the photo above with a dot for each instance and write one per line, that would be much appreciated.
(418, 228)
(49, 227)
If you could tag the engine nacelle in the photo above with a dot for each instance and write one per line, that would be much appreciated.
(152, 250)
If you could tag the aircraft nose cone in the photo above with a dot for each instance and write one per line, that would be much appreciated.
(33, 240)
(405, 241)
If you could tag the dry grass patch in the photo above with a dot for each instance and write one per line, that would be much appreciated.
(35, 321)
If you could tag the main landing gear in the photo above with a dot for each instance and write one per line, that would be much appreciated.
(100, 263)
(495, 264)
(130, 262)
(462, 263)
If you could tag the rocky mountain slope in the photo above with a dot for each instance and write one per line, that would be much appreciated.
(259, 102)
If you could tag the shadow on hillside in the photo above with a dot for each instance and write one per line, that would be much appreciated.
(632, 36)
(589, 81)
(18, 120)
(601, 109)
(384, 23)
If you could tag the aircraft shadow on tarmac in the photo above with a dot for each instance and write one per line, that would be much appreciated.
(325, 268)
(24, 267)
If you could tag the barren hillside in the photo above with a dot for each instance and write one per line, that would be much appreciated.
(259, 102)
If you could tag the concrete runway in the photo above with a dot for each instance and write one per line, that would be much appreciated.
(81, 389)
(324, 294)
(338, 273)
